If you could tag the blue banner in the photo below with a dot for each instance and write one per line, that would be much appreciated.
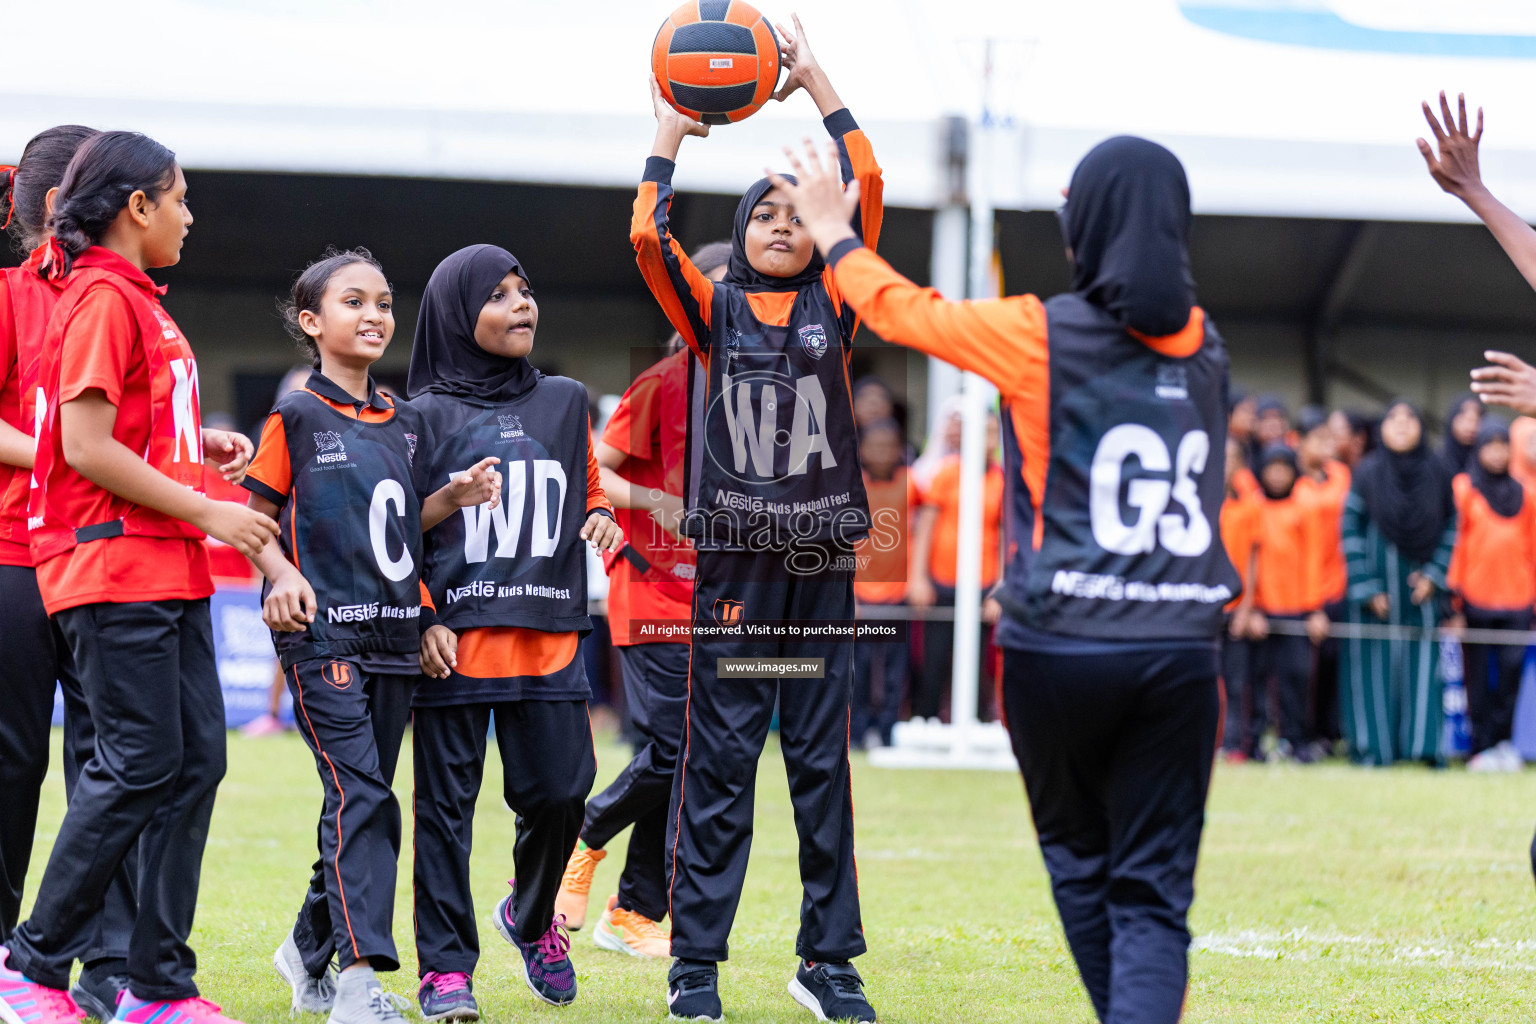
(247, 663)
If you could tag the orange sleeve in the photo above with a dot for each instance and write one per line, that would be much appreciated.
(99, 335)
(857, 162)
(1003, 340)
(863, 168)
(426, 595)
(597, 498)
(270, 474)
(685, 294)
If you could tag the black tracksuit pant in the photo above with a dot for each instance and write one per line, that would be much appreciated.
(1490, 701)
(547, 771)
(656, 692)
(728, 719)
(1116, 753)
(933, 683)
(894, 658)
(1326, 724)
(354, 721)
(33, 656)
(1236, 669)
(152, 686)
(1285, 663)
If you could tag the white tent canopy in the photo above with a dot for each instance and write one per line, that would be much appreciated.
(1278, 107)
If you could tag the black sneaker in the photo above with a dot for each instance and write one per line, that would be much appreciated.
(96, 990)
(693, 990)
(831, 992)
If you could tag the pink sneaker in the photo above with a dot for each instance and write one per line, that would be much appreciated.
(265, 725)
(196, 1010)
(24, 1001)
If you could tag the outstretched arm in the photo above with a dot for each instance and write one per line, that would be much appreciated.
(1453, 163)
(685, 295)
(855, 156)
(1003, 340)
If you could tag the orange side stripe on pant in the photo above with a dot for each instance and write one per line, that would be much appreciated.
(340, 888)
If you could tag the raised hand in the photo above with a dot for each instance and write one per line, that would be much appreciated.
(796, 56)
(1511, 382)
(1452, 161)
(824, 206)
(669, 121)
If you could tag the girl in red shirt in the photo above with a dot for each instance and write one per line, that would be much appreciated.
(33, 653)
(117, 520)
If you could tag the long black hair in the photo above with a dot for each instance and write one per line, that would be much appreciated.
(26, 185)
(107, 170)
(309, 290)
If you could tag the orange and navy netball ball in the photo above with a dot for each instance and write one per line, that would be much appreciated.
(717, 61)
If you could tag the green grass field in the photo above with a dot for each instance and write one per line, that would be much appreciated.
(1324, 894)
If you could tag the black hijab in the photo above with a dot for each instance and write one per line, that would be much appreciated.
(739, 271)
(1127, 222)
(1455, 456)
(1504, 493)
(1407, 494)
(445, 357)
(1285, 455)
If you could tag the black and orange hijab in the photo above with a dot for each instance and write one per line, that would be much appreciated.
(1504, 493)
(1127, 221)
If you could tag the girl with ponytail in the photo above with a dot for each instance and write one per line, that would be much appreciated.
(116, 517)
(33, 653)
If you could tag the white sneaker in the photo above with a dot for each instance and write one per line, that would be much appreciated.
(1487, 761)
(1509, 757)
(310, 994)
(360, 999)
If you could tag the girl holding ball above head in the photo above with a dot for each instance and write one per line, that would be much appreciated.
(338, 468)
(1111, 702)
(118, 518)
(776, 520)
(509, 606)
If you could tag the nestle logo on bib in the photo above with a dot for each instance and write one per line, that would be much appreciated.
(511, 426)
(814, 338)
(1172, 383)
(328, 447)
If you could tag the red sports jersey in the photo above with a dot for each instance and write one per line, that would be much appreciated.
(224, 562)
(109, 332)
(650, 426)
(26, 301)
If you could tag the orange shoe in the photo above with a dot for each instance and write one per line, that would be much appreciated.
(576, 885)
(625, 931)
